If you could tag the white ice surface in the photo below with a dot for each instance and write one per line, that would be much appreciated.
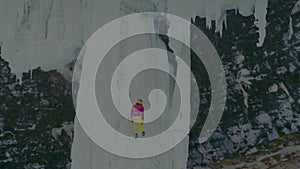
(50, 33)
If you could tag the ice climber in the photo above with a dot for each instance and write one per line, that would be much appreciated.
(137, 117)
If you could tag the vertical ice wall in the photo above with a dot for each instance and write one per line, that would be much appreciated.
(85, 153)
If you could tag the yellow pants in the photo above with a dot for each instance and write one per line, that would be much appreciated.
(136, 126)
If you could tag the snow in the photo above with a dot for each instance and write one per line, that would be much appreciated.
(286, 131)
(244, 72)
(296, 8)
(252, 137)
(34, 166)
(67, 127)
(291, 30)
(56, 132)
(292, 67)
(239, 59)
(264, 118)
(281, 70)
(1, 124)
(273, 135)
(284, 88)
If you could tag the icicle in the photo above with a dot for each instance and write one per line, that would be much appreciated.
(19, 77)
(208, 14)
(260, 20)
(283, 87)
(225, 21)
(291, 30)
(20, 81)
(30, 74)
(296, 8)
(219, 24)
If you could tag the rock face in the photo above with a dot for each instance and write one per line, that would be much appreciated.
(282, 153)
(36, 120)
(273, 76)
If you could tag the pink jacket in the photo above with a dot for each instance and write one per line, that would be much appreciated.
(137, 110)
